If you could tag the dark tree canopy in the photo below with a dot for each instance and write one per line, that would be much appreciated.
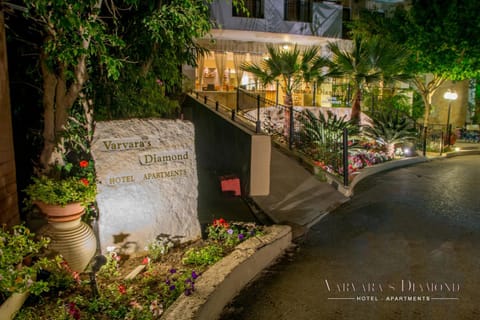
(440, 36)
(118, 54)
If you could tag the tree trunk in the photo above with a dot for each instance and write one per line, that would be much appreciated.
(49, 132)
(356, 109)
(288, 104)
(57, 101)
(391, 150)
(427, 90)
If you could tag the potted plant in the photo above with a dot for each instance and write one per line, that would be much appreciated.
(19, 265)
(64, 192)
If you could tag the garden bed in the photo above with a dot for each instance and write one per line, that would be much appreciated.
(159, 283)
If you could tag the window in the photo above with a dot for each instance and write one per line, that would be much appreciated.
(254, 7)
(298, 10)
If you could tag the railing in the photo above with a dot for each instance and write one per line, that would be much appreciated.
(436, 138)
(283, 123)
(232, 114)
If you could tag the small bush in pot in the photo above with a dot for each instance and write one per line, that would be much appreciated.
(63, 185)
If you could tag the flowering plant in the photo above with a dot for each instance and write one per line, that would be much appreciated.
(18, 270)
(64, 184)
(231, 233)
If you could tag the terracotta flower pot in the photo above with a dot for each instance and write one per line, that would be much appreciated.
(57, 213)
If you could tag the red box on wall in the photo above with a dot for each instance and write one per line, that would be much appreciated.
(230, 184)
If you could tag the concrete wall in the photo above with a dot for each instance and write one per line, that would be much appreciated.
(226, 148)
(8, 183)
(326, 19)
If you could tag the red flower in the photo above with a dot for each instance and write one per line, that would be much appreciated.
(220, 223)
(83, 164)
(146, 260)
(122, 289)
(84, 181)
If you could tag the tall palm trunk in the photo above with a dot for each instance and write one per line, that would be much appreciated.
(288, 106)
(356, 109)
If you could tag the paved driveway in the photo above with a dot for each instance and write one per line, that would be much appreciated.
(407, 246)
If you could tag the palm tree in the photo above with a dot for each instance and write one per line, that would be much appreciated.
(388, 130)
(291, 67)
(369, 61)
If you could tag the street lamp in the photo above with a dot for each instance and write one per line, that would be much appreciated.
(450, 96)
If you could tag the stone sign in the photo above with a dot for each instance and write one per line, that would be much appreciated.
(147, 181)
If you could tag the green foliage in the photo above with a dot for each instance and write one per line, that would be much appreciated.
(64, 184)
(110, 269)
(231, 234)
(291, 66)
(144, 297)
(19, 250)
(160, 247)
(125, 99)
(370, 60)
(57, 273)
(442, 35)
(72, 29)
(114, 49)
(388, 130)
(77, 136)
(176, 283)
(324, 129)
(203, 256)
(322, 137)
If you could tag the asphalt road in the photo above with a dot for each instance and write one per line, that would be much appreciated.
(407, 246)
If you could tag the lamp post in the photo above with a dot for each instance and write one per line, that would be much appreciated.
(450, 96)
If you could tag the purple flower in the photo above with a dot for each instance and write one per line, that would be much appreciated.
(173, 270)
(241, 237)
(194, 275)
(188, 292)
(172, 287)
(230, 231)
(167, 281)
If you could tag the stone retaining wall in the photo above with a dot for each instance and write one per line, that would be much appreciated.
(224, 280)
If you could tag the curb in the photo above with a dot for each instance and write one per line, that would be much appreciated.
(348, 190)
(224, 280)
(462, 153)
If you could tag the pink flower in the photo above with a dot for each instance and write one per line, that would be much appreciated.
(76, 276)
(73, 310)
(136, 305)
(146, 260)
